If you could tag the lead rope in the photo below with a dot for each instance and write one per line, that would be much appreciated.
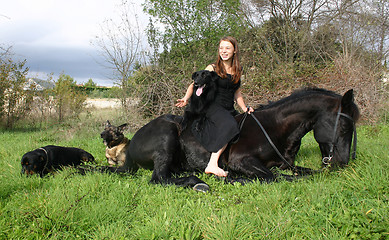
(266, 135)
(271, 142)
(327, 160)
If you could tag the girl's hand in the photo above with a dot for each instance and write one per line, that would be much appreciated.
(249, 110)
(181, 102)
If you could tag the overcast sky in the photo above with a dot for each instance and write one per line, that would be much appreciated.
(54, 36)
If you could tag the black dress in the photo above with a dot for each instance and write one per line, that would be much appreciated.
(219, 126)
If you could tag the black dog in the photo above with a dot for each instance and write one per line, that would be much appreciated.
(204, 92)
(47, 159)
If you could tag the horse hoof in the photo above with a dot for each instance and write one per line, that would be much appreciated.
(201, 187)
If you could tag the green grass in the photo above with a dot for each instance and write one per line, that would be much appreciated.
(351, 203)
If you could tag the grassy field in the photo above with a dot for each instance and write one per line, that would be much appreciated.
(352, 203)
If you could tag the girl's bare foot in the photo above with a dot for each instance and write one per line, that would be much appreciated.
(216, 171)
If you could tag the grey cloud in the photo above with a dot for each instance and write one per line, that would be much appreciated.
(77, 62)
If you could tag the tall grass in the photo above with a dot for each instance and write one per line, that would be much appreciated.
(351, 203)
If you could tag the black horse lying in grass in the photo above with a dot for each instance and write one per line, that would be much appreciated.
(166, 144)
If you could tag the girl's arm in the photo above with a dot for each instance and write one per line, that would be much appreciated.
(239, 100)
(182, 102)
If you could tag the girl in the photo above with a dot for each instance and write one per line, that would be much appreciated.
(220, 125)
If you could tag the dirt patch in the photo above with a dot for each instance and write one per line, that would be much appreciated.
(103, 102)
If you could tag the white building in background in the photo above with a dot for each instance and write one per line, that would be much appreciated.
(38, 84)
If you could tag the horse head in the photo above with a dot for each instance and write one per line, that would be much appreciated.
(334, 131)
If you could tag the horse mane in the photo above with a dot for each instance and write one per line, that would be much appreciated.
(297, 94)
(304, 92)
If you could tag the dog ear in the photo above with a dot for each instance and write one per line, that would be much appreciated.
(122, 127)
(214, 76)
(194, 75)
(107, 124)
(39, 156)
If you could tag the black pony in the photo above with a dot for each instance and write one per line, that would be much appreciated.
(166, 147)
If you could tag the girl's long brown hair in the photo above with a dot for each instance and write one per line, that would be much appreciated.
(236, 68)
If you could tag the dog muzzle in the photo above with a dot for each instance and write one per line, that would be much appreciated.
(199, 90)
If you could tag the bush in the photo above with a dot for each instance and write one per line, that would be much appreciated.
(69, 102)
(15, 100)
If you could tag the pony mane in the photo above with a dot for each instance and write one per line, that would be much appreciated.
(308, 91)
(297, 94)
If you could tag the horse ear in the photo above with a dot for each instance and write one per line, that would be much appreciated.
(123, 127)
(348, 98)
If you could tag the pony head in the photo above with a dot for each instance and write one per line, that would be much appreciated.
(334, 131)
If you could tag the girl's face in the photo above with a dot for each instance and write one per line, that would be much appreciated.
(226, 50)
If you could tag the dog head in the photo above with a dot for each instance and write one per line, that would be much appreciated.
(87, 157)
(204, 90)
(34, 162)
(112, 135)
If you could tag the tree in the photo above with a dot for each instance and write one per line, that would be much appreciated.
(15, 100)
(68, 101)
(90, 83)
(188, 21)
(120, 45)
(363, 26)
(184, 35)
(289, 28)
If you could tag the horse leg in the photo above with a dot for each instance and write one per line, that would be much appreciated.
(252, 168)
(305, 171)
(190, 181)
(162, 174)
(290, 155)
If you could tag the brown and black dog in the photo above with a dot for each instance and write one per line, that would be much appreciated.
(50, 158)
(116, 143)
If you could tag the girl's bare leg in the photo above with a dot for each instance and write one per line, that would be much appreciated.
(213, 166)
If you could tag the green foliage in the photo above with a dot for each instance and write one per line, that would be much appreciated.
(93, 91)
(103, 92)
(347, 204)
(191, 31)
(98, 92)
(15, 101)
(90, 83)
(283, 48)
(188, 21)
(68, 101)
(188, 40)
